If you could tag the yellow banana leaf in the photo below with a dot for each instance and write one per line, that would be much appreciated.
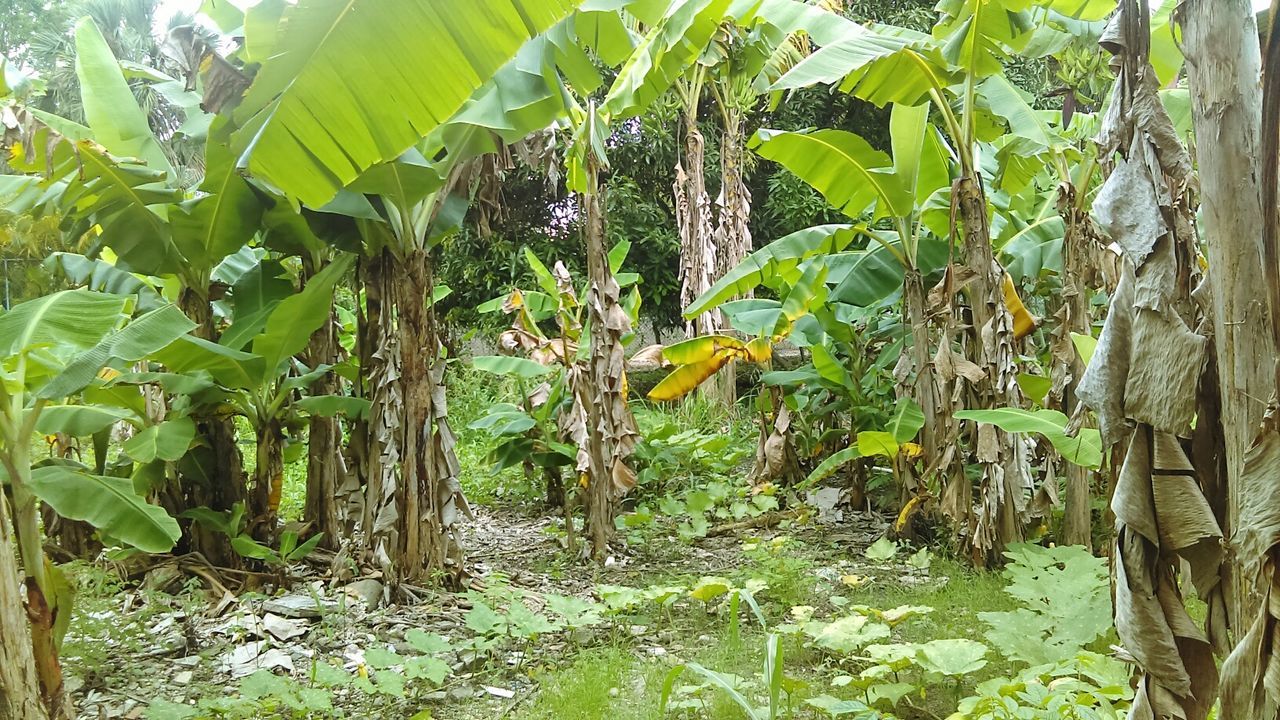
(684, 379)
(1023, 321)
(759, 350)
(700, 349)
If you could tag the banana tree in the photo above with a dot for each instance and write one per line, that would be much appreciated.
(152, 225)
(275, 323)
(53, 348)
(955, 63)
(752, 47)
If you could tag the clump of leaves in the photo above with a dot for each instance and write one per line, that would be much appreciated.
(1086, 687)
(1068, 606)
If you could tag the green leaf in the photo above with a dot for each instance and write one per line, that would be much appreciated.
(827, 467)
(835, 707)
(223, 218)
(1084, 449)
(876, 442)
(108, 504)
(952, 658)
(78, 420)
(168, 440)
(710, 588)
(907, 420)
(289, 328)
(850, 634)
(353, 408)
(102, 276)
(850, 174)
(766, 265)
(509, 365)
(881, 66)
(309, 135)
(667, 51)
(830, 369)
(76, 319)
(139, 339)
(1085, 345)
(881, 550)
(230, 368)
(110, 109)
(1000, 96)
(1035, 387)
(726, 684)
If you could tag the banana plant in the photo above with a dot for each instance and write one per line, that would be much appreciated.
(262, 383)
(957, 69)
(551, 421)
(110, 181)
(54, 347)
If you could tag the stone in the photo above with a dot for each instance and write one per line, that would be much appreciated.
(368, 591)
(298, 606)
(283, 629)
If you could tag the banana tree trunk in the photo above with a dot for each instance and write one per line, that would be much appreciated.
(1081, 244)
(1221, 43)
(326, 466)
(268, 479)
(925, 388)
(220, 482)
(20, 695)
(1005, 475)
(693, 215)
(41, 580)
(733, 231)
(414, 501)
(600, 393)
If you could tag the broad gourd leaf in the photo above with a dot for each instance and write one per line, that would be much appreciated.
(1084, 449)
(109, 504)
(953, 658)
(850, 634)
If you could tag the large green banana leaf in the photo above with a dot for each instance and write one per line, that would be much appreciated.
(771, 261)
(352, 83)
(850, 174)
(289, 327)
(886, 64)
(110, 109)
(108, 503)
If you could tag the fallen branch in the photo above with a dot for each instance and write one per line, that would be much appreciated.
(766, 520)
